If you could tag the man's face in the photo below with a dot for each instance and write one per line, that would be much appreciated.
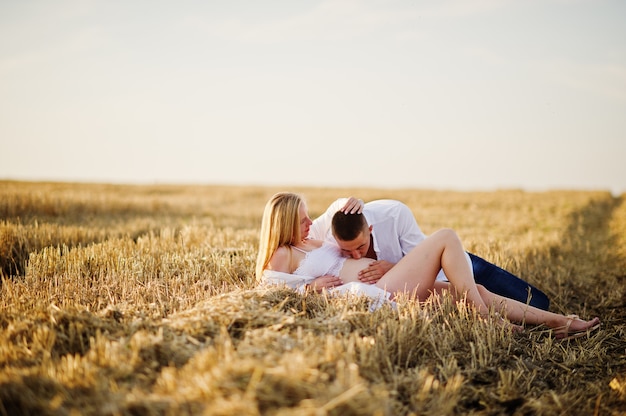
(358, 247)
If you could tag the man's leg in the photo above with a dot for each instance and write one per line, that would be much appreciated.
(505, 284)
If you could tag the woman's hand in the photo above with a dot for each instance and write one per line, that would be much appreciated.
(374, 271)
(325, 282)
(353, 206)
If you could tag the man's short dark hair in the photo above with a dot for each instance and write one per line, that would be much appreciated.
(347, 227)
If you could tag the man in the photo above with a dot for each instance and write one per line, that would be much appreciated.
(390, 231)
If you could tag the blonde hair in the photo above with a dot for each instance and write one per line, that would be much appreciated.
(280, 227)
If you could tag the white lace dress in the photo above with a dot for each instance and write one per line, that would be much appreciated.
(326, 260)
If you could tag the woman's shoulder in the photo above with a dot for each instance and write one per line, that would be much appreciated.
(281, 259)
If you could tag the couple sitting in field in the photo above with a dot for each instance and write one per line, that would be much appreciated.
(389, 255)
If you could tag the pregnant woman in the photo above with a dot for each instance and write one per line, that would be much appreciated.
(287, 255)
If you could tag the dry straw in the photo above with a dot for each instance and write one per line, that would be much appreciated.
(120, 300)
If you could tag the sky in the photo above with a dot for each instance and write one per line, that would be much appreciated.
(437, 94)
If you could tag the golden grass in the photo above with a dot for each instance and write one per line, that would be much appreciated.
(141, 300)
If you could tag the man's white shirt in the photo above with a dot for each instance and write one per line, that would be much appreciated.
(394, 228)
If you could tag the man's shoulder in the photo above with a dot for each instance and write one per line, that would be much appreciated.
(384, 204)
(385, 209)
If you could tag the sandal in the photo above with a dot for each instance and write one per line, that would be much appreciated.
(563, 333)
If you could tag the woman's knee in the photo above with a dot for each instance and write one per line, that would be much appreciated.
(447, 234)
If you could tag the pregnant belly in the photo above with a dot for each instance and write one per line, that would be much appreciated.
(352, 267)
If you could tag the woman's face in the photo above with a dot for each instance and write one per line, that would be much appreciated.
(305, 221)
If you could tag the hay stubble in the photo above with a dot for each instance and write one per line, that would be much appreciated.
(141, 300)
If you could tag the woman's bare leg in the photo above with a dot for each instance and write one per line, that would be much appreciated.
(520, 312)
(416, 272)
(441, 288)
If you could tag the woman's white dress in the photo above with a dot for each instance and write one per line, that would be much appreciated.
(326, 260)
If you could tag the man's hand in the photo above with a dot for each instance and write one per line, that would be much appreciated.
(325, 282)
(353, 206)
(376, 269)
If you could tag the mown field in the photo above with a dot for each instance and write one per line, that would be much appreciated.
(141, 300)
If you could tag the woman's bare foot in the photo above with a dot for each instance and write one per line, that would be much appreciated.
(575, 327)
